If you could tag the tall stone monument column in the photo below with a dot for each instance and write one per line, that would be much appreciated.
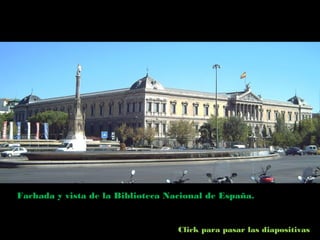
(76, 119)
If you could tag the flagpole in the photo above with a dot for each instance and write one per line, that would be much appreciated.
(244, 75)
(216, 66)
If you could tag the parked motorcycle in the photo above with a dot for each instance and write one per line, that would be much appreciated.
(131, 179)
(263, 176)
(181, 179)
(309, 174)
(221, 173)
(225, 179)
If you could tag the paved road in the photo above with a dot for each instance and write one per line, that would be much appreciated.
(285, 169)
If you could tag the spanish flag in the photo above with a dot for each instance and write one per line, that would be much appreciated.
(243, 75)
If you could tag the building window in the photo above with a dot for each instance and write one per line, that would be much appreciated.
(290, 116)
(195, 109)
(185, 108)
(157, 107)
(206, 110)
(128, 107)
(269, 114)
(133, 107)
(149, 106)
(120, 108)
(140, 107)
(101, 110)
(163, 107)
(92, 110)
(173, 107)
(110, 109)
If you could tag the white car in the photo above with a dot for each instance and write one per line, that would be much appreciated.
(14, 152)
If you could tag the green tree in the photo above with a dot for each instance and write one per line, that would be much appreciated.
(5, 117)
(149, 135)
(235, 130)
(182, 131)
(138, 136)
(283, 136)
(208, 133)
(307, 132)
(57, 121)
(316, 122)
(121, 132)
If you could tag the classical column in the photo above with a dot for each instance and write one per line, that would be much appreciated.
(76, 119)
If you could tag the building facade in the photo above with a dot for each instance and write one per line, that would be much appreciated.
(148, 104)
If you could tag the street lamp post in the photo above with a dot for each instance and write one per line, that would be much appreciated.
(216, 66)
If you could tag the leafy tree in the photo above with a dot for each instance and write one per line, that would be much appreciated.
(131, 136)
(208, 133)
(316, 122)
(235, 130)
(57, 121)
(138, 136)
(182, 131)
(149, 135)
(6, 117)
(307, 132)
(121, 132)
(283, 136)
(280, 125)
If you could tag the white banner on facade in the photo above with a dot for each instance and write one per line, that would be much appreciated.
(37, 130)
(18, 130)
(29, 130)
(46, 130)
(11, 130)
(4, 130)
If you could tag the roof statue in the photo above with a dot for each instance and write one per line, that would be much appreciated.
(247, 86)
(79, 69)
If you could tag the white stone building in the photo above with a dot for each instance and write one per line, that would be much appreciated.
(149, 104)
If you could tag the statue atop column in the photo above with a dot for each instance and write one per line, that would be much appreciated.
(79, 69)
(76, 119)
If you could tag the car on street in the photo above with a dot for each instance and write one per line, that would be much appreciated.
(311, 150)
(294, 151)
(10, 145)
(14, 152)
(165, 148)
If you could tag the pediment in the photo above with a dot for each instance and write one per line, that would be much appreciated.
(249, 97)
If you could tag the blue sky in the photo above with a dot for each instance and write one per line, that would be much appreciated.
(275, 70)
